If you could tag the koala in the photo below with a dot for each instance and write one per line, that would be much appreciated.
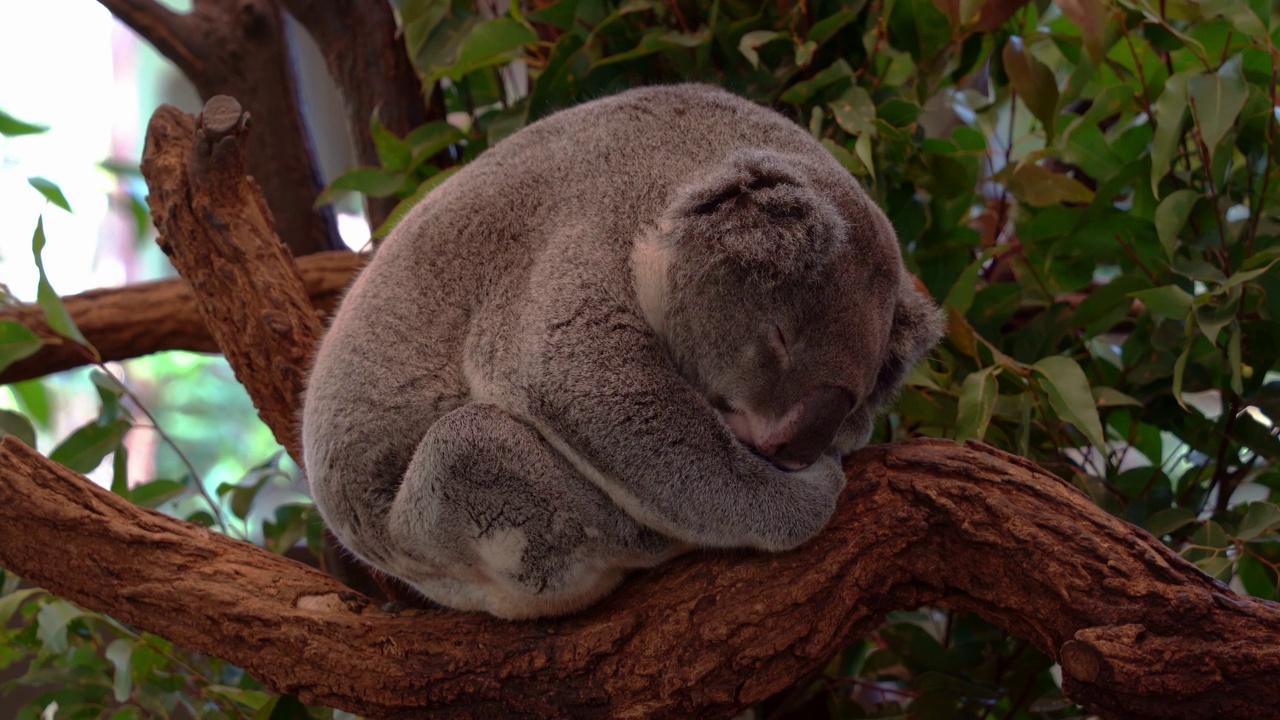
(650, 323)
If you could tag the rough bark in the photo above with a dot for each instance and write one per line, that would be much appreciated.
(213, 224)
(369, 63)
(145, 318)
(238, 47)
(1140, 633)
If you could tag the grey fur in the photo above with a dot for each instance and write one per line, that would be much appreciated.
(529, 389)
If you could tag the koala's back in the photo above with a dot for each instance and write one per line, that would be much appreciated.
(450, 279)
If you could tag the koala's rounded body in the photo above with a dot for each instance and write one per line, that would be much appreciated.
(648, 323)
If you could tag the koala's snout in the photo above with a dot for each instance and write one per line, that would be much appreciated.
(800, 437)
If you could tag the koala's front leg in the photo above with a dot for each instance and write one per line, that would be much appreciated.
(602, 391)
(490, 518)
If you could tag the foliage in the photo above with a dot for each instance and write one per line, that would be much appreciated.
(1087, 184)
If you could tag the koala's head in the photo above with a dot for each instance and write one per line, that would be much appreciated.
(784, 302)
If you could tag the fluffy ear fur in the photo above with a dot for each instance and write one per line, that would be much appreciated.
(918, 325)
(756, 210)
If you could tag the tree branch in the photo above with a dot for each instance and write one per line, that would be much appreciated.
(145, 318)
(1140, 633)
(370, 65)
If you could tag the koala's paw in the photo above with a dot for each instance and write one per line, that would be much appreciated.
(808, 500)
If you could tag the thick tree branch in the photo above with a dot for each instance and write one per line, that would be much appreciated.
(238, 48)
(141, 319)
(370, 65)
(1140, 633)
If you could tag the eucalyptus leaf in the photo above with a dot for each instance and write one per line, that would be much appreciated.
(50, 191)
(12, 423)
(55, 312)
(11, 126)
(978, 396)
(84, 449)
(1070, 396)
(1170, 115)
(1171, 217)
(17, 342)
(1259, 518)
(120, 654)
(1216, 101)
(1169, 301)
(1034, 82)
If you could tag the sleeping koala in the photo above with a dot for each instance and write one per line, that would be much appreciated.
(646, 324)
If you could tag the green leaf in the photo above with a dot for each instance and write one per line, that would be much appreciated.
(33, 397)
(1215, 315)
(1258, 580)
(1171, 217)
(828, 26)
(804, 93)
(1233, 359)
(17, 342)
(854, 111)
(85, 448)
(1170, 301)
(978, 396)
(1087, 148)
(432, 139)
(52, 620)
(155, 493)
(10, 603)
(1239, 14)
(1091, 17)
(1039, 186)
(655, 41)
(403, 207)
(393, 153)
(1170, 114)
(1070, 396)
(492, 42)
(11, 423)
(1261, 517)
(1033, 81)
(120, 654)
(120, 471)
(50, 191)
(1179, 372)
(846, 158)
(1168, 520)
(965, 287)
(751, 42)
(374, 182)
(1244, 276)
(55, 313)
(1216, 101)
(1108, 397)
(862, 148)
(11, 126)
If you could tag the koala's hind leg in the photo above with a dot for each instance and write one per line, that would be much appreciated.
(491, 518)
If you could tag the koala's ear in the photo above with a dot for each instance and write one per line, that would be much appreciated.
(758, 210)
(918, 324)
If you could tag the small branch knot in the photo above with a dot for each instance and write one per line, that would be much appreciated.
(222, 115)
(1081, 661)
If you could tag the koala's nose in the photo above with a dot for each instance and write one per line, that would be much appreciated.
(814, 429)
